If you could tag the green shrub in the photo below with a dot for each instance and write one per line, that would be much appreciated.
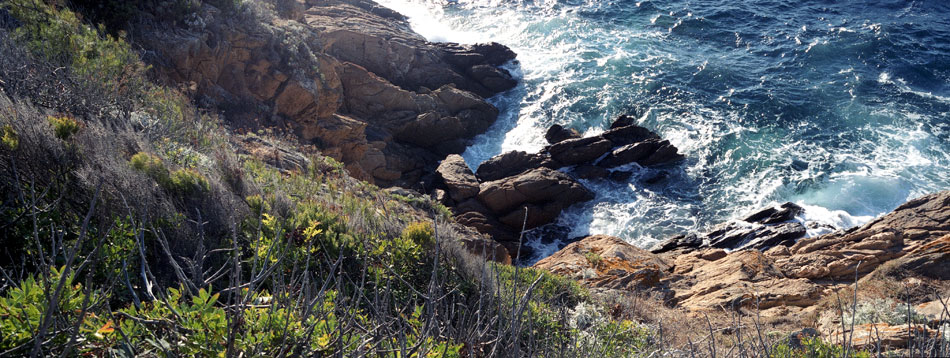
(420, 233)
(815, 348)
(22, 308)
(58, 35)
(593, 258)
(9, 137)
(180, 181)
(64, 126)
(187, 181)
(151, 165)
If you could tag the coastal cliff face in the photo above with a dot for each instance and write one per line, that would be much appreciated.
(348, 76)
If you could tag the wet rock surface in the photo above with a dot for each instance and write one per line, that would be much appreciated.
(519, 190)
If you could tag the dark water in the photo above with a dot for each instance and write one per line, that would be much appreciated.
(841, 106)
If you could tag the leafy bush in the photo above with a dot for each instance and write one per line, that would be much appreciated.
(187, 181)
(23, 307)
(180, 181)
(8, 137)
(64, 126)
(815, 348)
(58, 35)
(151, 165)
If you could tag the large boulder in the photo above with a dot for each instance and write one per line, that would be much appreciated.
(648, 152)
(512, 163)
(542, 189)
(558, 133)
(458, 178)
(579, 150)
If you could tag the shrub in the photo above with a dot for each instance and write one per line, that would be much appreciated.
(22, 308)
(181, 181)
(64, 126)
(420, 233)
(187, 181)
(593, 258)
(151, 165)
(9, 137)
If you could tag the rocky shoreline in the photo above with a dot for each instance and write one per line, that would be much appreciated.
(349, 77)
(903, 256)
(352, 79)
(518, 191)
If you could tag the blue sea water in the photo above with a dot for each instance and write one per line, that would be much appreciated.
(840, 106)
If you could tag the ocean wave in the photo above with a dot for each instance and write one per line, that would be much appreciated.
(842, 111)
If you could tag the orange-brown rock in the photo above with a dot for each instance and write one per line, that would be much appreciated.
(607, 262)
(931, 259)
(457, 177)
(347, 75)
(742, 279)
(882, 335)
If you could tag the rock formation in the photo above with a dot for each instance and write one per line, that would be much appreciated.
(785, 278)
(518, 190)
(760, 230)
(347, 75)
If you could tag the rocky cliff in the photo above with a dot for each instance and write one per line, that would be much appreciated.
(348, 76)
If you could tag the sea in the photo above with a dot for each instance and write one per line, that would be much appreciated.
(842, 107)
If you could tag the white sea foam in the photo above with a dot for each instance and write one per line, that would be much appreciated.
(574, 73)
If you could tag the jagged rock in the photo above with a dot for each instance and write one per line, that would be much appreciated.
(607, 262)
(630, 153)
(620, 136)
(580, 150)
(772, 215)
(931, 260)
(841, 257)
(590, 172)
(623, 121)
(688, 241)
(473, 214)
(387, 47)
(666, 153)
(512, 163)
(761, 237)
(742, 279)
(358, 71)
(921, 219)
(767, 237)
(458, 178)
(557, 133)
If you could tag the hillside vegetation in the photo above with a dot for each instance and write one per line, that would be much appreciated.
(135, 224)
